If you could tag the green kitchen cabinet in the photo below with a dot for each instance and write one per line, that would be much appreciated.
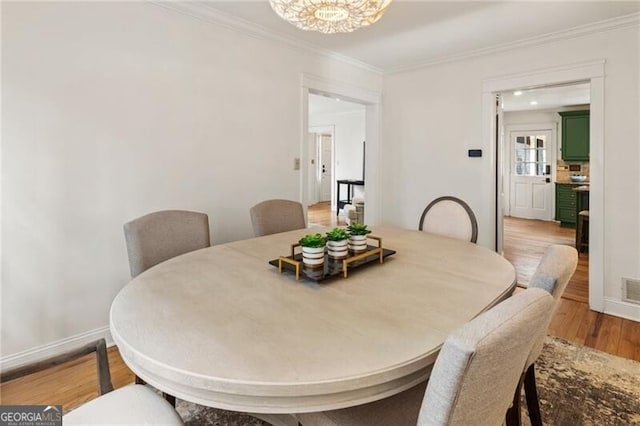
(566, 205)
(575, 135)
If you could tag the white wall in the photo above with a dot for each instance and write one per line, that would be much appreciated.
(433, 115)
(349, 133)
(113, 110)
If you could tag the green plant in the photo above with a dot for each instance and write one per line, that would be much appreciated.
(337, 234)
(358, 229)
(313, 241)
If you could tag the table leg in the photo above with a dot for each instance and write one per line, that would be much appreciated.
(337, 198)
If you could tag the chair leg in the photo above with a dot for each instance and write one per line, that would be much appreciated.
(579, 235)
(170, 399)
(513, 417)
(531, 393)
(102, 364)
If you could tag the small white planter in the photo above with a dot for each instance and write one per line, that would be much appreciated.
(358, 243)
(313, 256)
(338, 249)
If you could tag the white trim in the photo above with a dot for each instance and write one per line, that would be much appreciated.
(597, 216)
(622, 309)
(347, 92)
(594, 72)
(55, 348)
(206, 13)
(575, 32)
(569, 73)
(372, 100)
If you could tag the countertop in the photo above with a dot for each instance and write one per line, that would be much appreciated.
(572, 183)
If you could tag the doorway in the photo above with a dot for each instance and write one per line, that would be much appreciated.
(538, 177)
(370, 101)
(337, 128)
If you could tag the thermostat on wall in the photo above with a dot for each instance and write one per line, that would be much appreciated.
(475, 153)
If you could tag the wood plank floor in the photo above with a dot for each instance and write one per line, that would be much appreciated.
(525, 241)
(70, 385)
(74, 383)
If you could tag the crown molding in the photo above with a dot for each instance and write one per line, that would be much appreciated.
(626, 21)
(199, 10)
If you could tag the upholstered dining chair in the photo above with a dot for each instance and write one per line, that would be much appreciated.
(133, 404)
(553, 273)
(474, 376)
(451, 217)
(159, 236)
(274, 216)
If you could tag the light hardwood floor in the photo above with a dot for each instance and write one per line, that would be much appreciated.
(74, 383)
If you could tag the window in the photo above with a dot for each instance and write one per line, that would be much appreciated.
(530, 155)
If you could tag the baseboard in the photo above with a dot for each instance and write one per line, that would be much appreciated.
(622, 309)
(55, 348)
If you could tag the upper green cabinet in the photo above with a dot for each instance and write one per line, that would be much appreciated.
(575, 135)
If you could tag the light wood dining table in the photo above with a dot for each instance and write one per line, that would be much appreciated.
(223, 328)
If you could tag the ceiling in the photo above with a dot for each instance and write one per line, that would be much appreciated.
(319, 104)
(413, 33)
(546, 97)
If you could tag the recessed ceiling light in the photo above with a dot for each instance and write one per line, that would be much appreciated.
(337, 99)
(533, 103)
(517, 92)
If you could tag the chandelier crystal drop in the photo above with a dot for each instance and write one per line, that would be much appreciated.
(330, 16)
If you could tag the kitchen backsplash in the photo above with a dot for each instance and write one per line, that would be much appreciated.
(563, 172)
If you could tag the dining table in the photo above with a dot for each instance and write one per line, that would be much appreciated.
(223, 328)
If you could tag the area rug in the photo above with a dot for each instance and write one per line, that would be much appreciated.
(577, 386)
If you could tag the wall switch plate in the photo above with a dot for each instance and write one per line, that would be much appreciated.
(296, 164)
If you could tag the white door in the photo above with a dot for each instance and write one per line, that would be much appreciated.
(326, 177)
(531, 174)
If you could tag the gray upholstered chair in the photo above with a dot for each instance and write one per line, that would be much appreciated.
(274, 216)
(451, 217)
(474, 377)
(159, 236)
(552, 275)
(132, 404)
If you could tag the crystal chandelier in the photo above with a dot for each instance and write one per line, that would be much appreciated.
(330, 16)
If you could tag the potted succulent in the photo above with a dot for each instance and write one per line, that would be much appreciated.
(358, 237)
(337, 243)
(313, 250)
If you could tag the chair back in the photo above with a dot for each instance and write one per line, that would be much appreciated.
(451, 217)
(162, 235)
(274, 216)
(552, 274)
(480, 364)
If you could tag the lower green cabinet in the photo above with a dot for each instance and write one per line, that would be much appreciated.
(566, 205)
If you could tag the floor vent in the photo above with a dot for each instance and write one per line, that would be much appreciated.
(631, 290)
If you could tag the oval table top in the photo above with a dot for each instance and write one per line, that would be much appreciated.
(223, 328)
